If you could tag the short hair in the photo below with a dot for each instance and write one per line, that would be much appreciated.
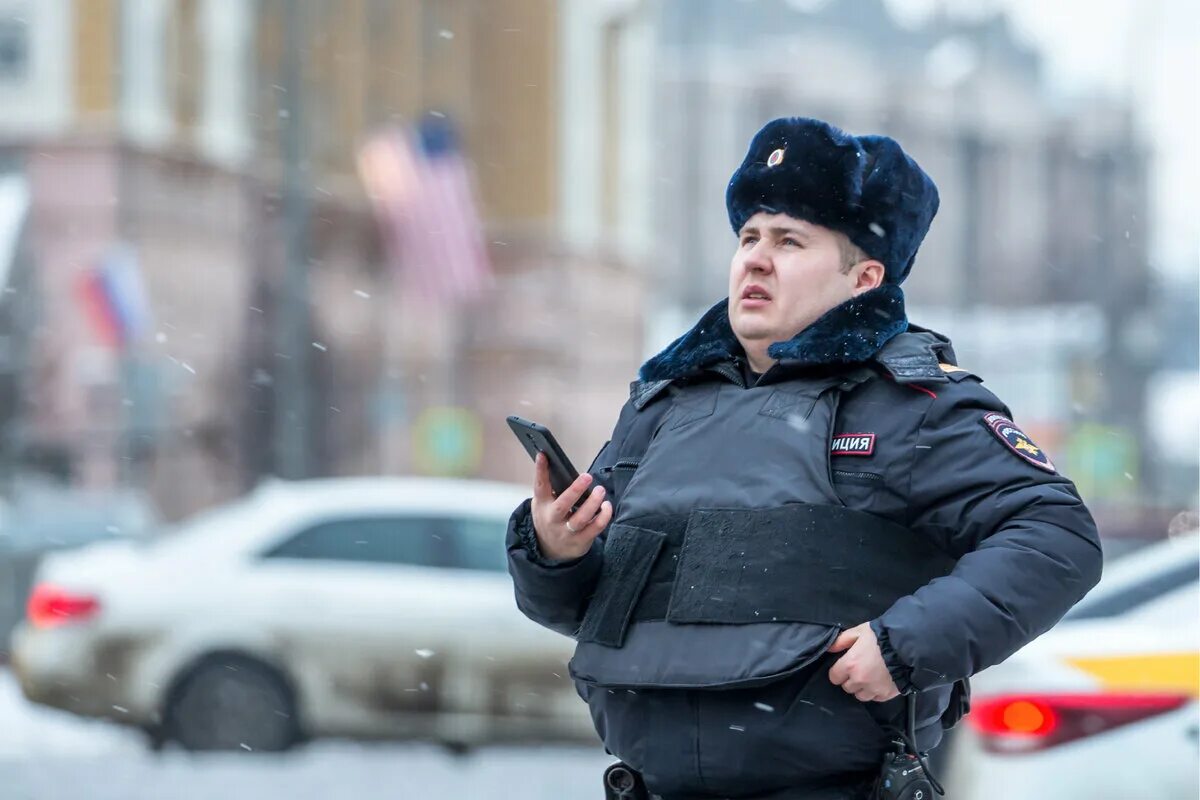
(851, 253)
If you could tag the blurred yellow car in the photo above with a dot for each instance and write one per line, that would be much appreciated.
(1104, 706)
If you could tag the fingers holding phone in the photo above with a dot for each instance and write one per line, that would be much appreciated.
(561, 533)
(565, 522)
(587, 510)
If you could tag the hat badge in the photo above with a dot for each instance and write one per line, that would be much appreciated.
(776, 158)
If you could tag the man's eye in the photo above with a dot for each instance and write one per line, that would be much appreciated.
(789, 240)
(748, 240)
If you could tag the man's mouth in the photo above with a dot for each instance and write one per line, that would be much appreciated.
(755, 294)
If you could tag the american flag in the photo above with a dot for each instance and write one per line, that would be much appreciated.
(420, 186)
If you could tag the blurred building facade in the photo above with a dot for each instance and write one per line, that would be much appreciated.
(602, 133)
(156, 126)
(1037, 264)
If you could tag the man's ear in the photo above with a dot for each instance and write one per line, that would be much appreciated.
(869, 275)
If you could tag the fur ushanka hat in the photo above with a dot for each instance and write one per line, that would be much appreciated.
(864, 186)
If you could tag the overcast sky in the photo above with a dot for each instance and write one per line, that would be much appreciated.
(1150, 48)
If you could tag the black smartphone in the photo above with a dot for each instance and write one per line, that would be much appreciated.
(538, 439)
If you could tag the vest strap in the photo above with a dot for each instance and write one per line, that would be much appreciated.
(629, 555)
(798, 562)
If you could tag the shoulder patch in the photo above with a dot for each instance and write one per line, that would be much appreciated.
(1015, 440)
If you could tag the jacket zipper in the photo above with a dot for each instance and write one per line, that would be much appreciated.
(837, 400)
(869, 476)
(730, 372)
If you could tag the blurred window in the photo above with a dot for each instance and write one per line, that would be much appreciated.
(1133, 598)
(450, 542)
(479, 544)
(1171, 609)
(14, 49)
(417, 541)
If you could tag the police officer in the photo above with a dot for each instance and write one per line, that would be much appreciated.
(807, 512)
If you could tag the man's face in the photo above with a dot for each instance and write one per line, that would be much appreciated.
(797, 265)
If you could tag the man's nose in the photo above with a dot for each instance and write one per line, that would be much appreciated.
(758, 259)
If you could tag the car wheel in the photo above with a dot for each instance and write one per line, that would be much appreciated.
(232, 703)
(457, 749)
(156, 737)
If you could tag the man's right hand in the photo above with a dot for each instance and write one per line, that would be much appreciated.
(562, 535)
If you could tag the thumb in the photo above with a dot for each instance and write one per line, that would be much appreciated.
(844, 640)
(541, 479)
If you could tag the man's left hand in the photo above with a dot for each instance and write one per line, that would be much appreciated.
(861, 671)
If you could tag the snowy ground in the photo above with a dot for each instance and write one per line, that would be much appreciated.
(51, 755)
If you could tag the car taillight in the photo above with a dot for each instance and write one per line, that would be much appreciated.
(51, 605)
(1023, 723)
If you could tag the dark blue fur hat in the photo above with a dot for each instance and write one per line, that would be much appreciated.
(864, 186)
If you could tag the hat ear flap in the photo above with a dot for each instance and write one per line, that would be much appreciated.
(899, 202)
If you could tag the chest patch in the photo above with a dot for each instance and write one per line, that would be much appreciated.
(853, 444)
(1015, 439)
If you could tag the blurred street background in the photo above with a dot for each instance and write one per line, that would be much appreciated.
(249, 240)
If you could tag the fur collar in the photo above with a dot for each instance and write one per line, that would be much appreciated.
(852, 332)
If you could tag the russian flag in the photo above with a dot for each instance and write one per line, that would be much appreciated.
(113, 298)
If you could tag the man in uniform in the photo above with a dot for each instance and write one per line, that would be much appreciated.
(807, 514)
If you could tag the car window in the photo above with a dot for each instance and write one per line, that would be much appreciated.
(1134, 597)
(418, 541)
(1173, 609)
(479, 543)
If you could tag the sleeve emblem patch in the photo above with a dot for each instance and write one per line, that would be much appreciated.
(1015, 439)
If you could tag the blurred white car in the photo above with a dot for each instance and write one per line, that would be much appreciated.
(1105, 704)
(375, 607)
(42, 516)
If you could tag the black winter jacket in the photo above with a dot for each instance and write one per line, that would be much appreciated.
(921, 443)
